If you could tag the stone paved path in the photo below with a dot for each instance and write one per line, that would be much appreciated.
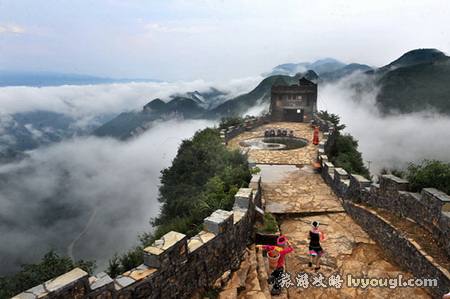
(299, 195)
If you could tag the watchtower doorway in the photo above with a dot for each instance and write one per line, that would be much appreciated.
(293, 115)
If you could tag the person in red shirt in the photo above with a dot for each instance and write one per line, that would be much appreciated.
(283, 247)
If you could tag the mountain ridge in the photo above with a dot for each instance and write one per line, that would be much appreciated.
(417, 80)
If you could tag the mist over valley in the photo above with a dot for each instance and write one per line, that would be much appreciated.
(83, 172)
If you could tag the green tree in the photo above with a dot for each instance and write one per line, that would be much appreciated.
(429, 174)
(333, 118)
(344, 153)
(229, 121)
(197, 161)
(204, 176)
(51, 266)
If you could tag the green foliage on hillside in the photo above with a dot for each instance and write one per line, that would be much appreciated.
(333, 118)
(203, 177)
(269, 225)
(429, 174)
(31, 275)
(344, 152)
(202, 169)
(416, 87)
(230, 121)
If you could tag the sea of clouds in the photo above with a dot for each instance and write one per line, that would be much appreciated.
(90, 197)
(386, 141)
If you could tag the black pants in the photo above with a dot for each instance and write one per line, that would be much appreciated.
(277, 274)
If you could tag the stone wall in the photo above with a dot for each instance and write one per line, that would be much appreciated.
(174, 266)
(402, 250)
(430, 208)
(231, 132)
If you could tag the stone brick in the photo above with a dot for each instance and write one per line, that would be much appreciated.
(243, 197)
(341, 174)
(100, 280)
(170, 249)
(255, 182)
(219, 222)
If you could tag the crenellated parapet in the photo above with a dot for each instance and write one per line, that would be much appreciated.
(174, 266)
(430, 209)
(233, 131)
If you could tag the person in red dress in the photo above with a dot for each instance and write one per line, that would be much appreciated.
(283, 247)
(316, 135)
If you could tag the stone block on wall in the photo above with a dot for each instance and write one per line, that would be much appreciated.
(435, 198)
(341, 174)
(320, 152)
(100, 281)
(251, 163)
(199, 240)
(323, 158)
(219, 222)
(389, 184)
(72, 283)
(255, 182)
(362, 181)
(328, 166)
(243, 197)
(238, 216)
(322, 145)
(170, 249)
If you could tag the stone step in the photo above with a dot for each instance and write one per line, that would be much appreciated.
(250, 280)
(262, 273)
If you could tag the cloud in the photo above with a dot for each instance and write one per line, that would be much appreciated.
(86, 100)
(11, 28)
(107, 189)
(386, 141)
(176, 28)
(50, 197)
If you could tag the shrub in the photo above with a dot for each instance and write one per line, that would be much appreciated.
(344, 153)
(429, 174)
(204, 176)
(31, 275)
(229, 121)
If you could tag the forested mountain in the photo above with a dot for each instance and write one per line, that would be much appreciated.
(191, 105)
(195, 105)
(327, 70)
(259, 95)
(416, 81)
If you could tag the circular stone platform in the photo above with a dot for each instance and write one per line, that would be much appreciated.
(274, 143)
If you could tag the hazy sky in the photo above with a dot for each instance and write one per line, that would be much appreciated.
(211, 39)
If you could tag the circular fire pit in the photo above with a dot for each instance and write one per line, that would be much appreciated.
(274, 143)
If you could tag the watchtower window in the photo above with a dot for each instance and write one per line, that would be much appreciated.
(294, 97)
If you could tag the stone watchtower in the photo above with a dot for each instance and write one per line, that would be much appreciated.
(293, 103)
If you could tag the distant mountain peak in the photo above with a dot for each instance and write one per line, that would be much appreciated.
(418, 56)
(319, 67)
